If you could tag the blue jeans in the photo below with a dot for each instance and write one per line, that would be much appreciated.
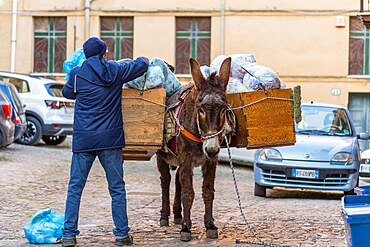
(111, 161)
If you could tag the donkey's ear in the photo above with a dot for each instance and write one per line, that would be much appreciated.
(196, 73)
(224, 72)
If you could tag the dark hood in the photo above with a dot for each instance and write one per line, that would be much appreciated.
(99, 71)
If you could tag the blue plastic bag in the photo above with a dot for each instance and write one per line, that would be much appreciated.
(45, 227)
(75, 59)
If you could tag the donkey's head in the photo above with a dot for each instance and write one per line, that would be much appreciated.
(211, 105)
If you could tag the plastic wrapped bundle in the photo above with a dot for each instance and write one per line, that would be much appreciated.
(236, 61)
(259, 77)
(170, 83)
(235, 85)
(205, 71)
(158, 75)
(75, 59)
(151, 79)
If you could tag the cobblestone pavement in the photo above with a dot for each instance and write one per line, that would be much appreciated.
(35, 177)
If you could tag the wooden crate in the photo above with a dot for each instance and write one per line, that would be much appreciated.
(143, 121)
(266, 120)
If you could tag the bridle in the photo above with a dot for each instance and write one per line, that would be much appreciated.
(221, 133)
(206, 137)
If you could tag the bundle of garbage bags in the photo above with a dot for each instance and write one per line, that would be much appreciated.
(246, 75)
(158, 74)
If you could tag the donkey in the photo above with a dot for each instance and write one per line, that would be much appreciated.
(201, 127)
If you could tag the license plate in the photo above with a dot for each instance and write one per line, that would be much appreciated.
(302, 173)
(364, 168)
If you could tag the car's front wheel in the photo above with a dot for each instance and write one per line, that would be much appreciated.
(33, 132)
(53, 140)
(259, 190)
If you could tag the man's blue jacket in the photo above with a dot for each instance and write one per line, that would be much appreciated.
(97, 88)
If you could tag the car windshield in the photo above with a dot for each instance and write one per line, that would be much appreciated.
(321, 120)
(54, 90)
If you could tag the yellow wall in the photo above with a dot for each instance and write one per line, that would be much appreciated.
(192, 5)
(320, 89)
(291, 45)
(291, 42)
(5, 44)
(154, 36)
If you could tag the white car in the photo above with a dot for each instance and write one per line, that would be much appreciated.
(365, 163)
(239, 156)
(49, 114)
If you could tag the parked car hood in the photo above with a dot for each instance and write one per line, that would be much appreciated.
(318, 148)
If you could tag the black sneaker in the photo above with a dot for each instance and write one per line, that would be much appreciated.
(69, 242)
(129, 240)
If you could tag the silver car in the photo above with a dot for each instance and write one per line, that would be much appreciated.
(326, 155)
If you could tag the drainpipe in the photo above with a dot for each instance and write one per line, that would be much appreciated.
(87, 18)
(361, 5)
(222, 28)
(14, 35)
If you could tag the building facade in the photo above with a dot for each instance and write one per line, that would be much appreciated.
(320, 45)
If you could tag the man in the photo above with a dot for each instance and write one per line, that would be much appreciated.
(98, 131)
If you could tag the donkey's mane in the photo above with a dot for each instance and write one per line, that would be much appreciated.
(213, 81)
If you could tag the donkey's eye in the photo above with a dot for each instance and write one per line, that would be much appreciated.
(202, 113)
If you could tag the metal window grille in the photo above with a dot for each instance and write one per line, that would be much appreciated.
(359, 48)
(193, 39)
(50, 36)
(118, 33)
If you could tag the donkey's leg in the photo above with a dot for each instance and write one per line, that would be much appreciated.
(208, 191)
(177, 201)
(164, 170)
(187, 198)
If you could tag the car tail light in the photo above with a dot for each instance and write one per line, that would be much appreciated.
(54, 104)
(16, 119)
(7, 109)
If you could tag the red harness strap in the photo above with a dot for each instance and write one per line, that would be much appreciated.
(179, 127)
(189, 135)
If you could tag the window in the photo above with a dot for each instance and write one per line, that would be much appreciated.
(118, 33)
(50, 44)
(54, 90)
(193, 40)
(359, 48)
(20, 85)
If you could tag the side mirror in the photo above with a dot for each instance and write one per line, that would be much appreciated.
(363, 136)
(24, 105)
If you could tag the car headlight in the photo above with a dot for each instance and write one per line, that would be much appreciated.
(270, 154)
(343, 158)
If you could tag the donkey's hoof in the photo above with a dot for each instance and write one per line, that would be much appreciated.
(185, 236)
(164, 222)
(177, 221)
(212, 233)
